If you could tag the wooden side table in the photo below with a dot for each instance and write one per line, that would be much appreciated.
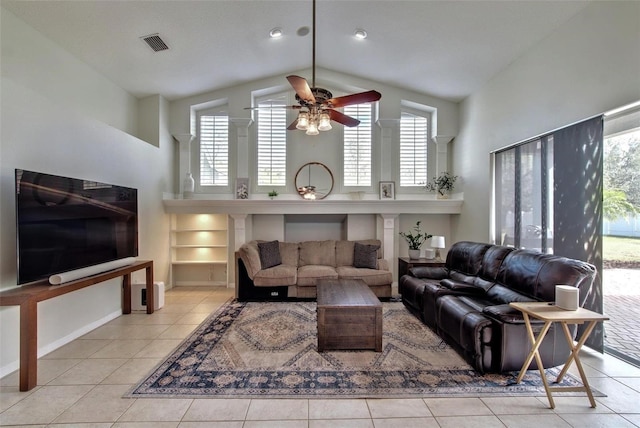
(28, 297)
(549, 313)
(405, 263)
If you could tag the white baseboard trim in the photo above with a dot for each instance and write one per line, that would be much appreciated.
(9, 368)
(15, 365)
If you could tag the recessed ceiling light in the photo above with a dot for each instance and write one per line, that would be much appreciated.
(360, 34)
(275, 33)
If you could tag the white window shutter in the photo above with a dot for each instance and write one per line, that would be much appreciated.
(272, 142)
(414, 137)
(357, 146)
(214, 150)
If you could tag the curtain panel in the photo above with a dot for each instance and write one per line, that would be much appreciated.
(548, 197)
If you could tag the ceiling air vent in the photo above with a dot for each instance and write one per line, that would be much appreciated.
(155, 42)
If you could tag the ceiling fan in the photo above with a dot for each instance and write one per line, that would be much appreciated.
(317, 105)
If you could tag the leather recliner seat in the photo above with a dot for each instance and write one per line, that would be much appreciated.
(467, 301)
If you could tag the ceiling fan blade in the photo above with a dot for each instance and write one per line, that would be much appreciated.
(362, 97)
(302, 89)
(293, 125)
(343, 118)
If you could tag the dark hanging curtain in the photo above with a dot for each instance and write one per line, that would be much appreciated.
(578, 182)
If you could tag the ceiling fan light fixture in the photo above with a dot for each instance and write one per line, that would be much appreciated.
(303, 121)
(360, 34)
(312, 129)
(324, 123)
(275, 33)
(318, 104)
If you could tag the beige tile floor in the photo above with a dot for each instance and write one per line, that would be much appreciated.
(81, 385)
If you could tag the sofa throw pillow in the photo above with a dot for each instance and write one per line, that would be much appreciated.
(365, 255)
(269, 254)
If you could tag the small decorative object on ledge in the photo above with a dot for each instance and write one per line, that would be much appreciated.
(242, 188)
(415, 241)
(189, 185)
(273, 194)
(387, 190)
(442, 185)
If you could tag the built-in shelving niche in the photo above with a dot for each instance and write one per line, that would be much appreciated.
(199, 249)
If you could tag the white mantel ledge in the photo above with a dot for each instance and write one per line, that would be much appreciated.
(296, 206)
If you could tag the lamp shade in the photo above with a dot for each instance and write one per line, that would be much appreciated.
(312, 129)
(324, 123)
(303, 121)
(437, 242)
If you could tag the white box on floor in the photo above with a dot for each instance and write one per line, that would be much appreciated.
(139, 296)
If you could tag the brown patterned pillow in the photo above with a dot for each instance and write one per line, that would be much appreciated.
(269, 254)
(365, 256)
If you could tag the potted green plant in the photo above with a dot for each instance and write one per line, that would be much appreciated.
(273, 194)
(415, 241)
(442, 184)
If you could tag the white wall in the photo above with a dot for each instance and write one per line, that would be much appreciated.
(587, 67)
(61, 117)
(326, 147)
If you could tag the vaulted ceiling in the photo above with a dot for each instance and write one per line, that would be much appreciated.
(448, 49)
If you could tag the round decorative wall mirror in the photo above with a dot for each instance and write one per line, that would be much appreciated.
(314, 181)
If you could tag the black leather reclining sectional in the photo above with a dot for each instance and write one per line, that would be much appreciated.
(467, 301)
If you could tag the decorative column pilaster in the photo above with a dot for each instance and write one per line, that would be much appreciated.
(442, 153)
(184, 157)
(242, 144)
(388, 154)
(239, 238)
(389, 241)
(239, 230)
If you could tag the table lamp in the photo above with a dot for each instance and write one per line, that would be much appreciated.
(437, 242)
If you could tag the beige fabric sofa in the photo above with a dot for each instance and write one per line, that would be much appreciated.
(303, 263)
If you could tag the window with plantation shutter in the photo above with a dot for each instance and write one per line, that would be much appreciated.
(413, 149)
(272, 141)
(214, 149)
(357, 147)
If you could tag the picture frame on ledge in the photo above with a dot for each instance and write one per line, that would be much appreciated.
(387, 190)
(242, 188)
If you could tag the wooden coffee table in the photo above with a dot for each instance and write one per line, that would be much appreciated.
(349, 315)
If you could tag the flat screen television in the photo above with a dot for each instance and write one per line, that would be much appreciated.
(67, 223)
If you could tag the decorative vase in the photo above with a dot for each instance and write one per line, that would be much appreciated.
(414, 254)
(189, 186)
(442, 194)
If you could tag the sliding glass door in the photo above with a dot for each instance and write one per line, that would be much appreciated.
(621, 234)
(548, 198)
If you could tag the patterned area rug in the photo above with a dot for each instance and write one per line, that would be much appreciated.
(268, 350)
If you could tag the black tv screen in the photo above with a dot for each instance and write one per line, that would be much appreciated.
(68, 223)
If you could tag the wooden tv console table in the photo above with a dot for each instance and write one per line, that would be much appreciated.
(28, 296)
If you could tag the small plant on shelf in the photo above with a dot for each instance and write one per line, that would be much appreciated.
(415, 241)
(273, 194)
(442, 184)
